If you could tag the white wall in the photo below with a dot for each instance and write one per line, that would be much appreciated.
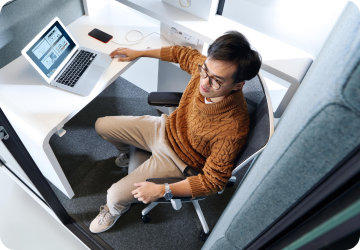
(304, 24)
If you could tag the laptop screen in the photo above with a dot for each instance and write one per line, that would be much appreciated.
(51, 49)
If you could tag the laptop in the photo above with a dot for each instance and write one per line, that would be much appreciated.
(62, 62)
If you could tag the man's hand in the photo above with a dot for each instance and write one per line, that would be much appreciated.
(131, 54)
(148, 192)
(128, 54)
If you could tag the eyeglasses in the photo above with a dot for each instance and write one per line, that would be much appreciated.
(213, 82)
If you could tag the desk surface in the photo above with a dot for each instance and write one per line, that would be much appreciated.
(55, 107)
(37, 110)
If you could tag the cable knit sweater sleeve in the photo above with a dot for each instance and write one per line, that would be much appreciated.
(187, 57)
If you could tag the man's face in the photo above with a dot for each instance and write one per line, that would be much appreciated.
(222, 72)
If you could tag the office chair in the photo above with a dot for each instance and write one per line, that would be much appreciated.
(261, 130)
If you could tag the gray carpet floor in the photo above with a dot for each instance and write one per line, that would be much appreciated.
(88, 162)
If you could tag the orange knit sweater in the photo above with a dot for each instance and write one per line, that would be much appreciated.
(205, 136)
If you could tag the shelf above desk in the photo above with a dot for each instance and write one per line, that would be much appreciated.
(280, 59)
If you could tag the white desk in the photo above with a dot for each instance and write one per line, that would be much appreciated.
(37, 111)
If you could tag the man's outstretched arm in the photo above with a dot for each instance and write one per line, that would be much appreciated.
(131, 54)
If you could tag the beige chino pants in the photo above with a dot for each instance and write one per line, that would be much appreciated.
(147, 133)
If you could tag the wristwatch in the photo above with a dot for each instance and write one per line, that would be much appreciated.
(168, 195)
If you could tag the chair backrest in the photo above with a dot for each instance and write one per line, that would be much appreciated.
(317, 130)
(261, 121)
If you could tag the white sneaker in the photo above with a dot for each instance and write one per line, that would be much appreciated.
(103, 221)
(122, 160)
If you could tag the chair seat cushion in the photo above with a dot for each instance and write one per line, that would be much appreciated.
(137, 157)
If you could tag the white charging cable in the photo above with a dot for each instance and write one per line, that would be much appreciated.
(140, 40)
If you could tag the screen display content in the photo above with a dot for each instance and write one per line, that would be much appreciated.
(51, 49)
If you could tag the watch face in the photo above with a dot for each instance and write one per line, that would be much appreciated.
(168, 196)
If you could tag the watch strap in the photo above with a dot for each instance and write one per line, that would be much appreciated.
(167, 191)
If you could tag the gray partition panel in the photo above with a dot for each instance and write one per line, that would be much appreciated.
(22, 20)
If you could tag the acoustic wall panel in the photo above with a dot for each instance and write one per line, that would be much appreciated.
(21, 20)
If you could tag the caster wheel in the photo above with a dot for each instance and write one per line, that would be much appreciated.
(146, 218)
(203, 235)
(230, 184)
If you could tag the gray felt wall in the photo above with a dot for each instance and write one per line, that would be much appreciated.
(22, 20)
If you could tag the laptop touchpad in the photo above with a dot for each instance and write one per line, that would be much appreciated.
(93, 72)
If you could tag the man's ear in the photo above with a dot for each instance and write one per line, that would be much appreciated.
(239, 85)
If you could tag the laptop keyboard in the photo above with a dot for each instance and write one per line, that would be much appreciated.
(77, 67)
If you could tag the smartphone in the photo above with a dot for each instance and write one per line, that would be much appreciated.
(100, 35)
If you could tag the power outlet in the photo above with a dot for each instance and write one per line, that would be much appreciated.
(182, 35)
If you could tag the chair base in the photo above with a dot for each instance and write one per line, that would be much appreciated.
(203, 235)
(146, 217)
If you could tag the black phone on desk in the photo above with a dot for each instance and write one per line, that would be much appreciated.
(100, 35)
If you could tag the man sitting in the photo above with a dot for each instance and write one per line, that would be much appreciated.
(198, 141)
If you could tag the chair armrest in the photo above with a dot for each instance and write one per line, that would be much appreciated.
(167, 99)
(183, 199)
(164, 180)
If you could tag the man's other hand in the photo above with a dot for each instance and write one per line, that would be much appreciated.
(126, 54)
(148, 192)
